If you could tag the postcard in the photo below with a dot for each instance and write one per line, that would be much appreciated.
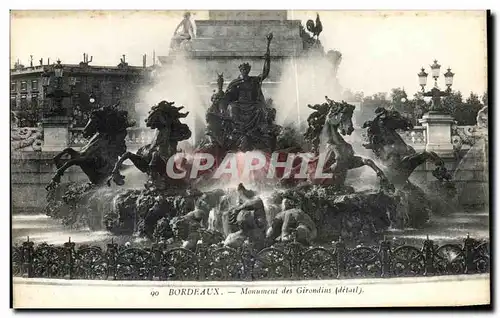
(249, 159)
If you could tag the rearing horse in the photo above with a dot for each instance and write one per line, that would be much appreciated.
(333, 120)
(152, 158)
(108, 128)
(388, 145)
(340, 156)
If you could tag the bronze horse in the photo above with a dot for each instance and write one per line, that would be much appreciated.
(340, 156)
(388, 145)
(152, 158)
(107, 128)
(334, 120)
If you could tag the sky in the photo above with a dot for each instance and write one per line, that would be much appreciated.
(381, 49)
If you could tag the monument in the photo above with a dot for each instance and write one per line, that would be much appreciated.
(228, 39)
(260, 198)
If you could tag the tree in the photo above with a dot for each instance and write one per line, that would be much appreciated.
(349, 96)
(370, 103)
(358, 96)
(466, 112)
(398, 95)
(420, 106)
(484, 99)
(473, 99)
(452, 102)
(400, 102)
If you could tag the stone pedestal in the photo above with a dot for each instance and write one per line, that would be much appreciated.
(55, 133)
(438, 131)
(268, 15)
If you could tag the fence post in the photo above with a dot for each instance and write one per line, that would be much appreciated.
(295, 251)
(385, 257)
(341, 258)
(469, 255)
(69, 249)
(248, 259)
(428, 251)
(156, 249)
(201, 251)
(111, 254)
(27, 256)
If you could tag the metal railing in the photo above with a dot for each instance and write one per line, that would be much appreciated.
(291, 261)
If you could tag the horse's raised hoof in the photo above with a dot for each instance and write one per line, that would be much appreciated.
(118, 179)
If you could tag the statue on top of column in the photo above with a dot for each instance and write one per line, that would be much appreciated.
(183, 32)
(244, 105)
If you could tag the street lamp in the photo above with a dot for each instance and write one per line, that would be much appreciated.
(58, 69)
(45, 85)
(435, 71)
(58, 94)
(45, 78)
(435, 93)
(422, 78)
(448, 78)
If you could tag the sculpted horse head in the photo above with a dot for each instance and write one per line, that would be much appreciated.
(382, 132)
(393, 120)
(163, 114)
(107, 120)
(339, 117)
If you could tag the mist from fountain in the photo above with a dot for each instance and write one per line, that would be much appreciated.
(177, 82)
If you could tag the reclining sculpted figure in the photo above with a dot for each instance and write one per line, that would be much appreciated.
(292, 221)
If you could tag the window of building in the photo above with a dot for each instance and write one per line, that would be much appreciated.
(34, 85)
(13, 86)
(24, 86)
(24, 102)
(34, 100)
(13, 103)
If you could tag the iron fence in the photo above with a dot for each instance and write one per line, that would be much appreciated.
(217, 263)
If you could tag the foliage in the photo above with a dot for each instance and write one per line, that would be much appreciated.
(464, 111)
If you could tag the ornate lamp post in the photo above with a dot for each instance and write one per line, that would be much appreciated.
(438, 123)
(45, 84)
(58, 94)
(435, 93)
(56, 121)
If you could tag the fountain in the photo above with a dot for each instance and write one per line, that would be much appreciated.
(249, 173)
(185, 192)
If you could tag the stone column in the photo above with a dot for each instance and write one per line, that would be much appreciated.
(55, 133)
(438, 130)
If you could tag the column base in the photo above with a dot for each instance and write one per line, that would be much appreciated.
(55, 133)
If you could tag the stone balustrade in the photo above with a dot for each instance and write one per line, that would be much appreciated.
(417, 137)
(463, 137)
(136, 137)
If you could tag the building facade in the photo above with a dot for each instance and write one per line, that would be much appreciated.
(78, 88)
